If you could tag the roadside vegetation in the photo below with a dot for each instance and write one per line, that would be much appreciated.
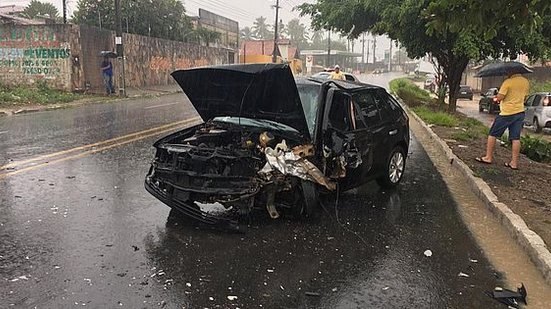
(40, 94)
(465, 129)
(540, 86)
(409, 92)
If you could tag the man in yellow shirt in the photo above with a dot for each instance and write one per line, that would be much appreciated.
(512, 93)
(337, 74)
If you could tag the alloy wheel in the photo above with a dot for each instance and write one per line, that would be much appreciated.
(396, 167)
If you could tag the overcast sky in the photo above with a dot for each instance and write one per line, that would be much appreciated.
(243, 11)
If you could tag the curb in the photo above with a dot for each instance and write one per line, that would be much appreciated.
(531, 242)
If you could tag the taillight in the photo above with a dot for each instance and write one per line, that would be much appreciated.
(546, 101)
(494, 99)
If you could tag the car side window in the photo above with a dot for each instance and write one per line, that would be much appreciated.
(537, 100)
(369, 109)
(529, 101)
(339, 113)
(388, 109)
(349, 77)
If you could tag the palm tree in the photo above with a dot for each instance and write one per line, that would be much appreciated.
(261, 29)
(40, 9)
(247, 34)
(297, 33)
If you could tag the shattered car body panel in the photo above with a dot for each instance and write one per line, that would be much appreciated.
(263, 150)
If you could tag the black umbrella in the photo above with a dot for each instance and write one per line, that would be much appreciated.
(503, 68)
(108, 54)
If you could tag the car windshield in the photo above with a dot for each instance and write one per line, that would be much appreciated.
(309, 95)
(259, 123)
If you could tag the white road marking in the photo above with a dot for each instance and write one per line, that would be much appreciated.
(167, 104)
(3, 132)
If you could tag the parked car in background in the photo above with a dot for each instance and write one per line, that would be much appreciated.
(272, 142)
(465, 92)
(538, 111)
(488, 101)
(327, 75)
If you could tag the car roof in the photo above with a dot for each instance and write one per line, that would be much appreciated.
(346, 85)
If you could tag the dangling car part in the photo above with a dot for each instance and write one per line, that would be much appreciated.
(270, 142)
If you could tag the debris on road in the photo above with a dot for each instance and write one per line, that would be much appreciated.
(312, 294)
(508, 297)
(427, 253)
(473, 261)
(232, 297)
(464, 275)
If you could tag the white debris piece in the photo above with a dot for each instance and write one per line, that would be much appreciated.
(473, 261)
(270, 270)
(428, 253)
(188, 284)
(461, 274)
(386, 288)
(232, 297)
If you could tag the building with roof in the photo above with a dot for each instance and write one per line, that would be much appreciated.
(261, 51)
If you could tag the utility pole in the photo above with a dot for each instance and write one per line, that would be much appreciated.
(64, 11)
(363, 47)
(274, 53)
(328, 48)
(390, 57)
(374, 49)
(120, 47)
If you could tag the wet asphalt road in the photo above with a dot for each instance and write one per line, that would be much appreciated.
(84, 232)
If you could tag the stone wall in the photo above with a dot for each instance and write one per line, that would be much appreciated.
(32, 53)
(68, 57)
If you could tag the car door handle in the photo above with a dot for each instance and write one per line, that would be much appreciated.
(393, 132)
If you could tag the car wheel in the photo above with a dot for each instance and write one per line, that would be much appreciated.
(471, 98)
(394, 170)
(480, 108)
(536, 125)
(491, 109)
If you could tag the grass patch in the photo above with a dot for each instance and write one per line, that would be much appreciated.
(41, 94)
(417, 78)
(534, 148)
(472, 129)
(436, 117)
(409, 92)
(540, 86)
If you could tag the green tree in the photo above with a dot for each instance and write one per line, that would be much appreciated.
(297, 33)
(261, 30)
(168, 20)
(246, 34)
(40, 9)
(417, 25)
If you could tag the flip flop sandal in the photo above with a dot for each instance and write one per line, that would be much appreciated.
(509, 166)
(479, 159)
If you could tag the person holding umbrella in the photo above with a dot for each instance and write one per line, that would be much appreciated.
(512, 93)
(107, 74)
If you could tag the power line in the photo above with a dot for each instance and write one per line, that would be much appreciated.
(215, 7)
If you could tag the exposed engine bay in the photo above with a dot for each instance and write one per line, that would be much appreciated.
(240, 167)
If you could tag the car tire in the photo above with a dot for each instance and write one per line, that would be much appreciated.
(536, 126)
(491, 109)
(480, 108)
(310, 202)
(471, 98)
(394, 169)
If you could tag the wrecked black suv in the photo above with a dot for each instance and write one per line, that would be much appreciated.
(270, 141)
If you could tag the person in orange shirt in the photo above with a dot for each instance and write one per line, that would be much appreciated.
(512, 93)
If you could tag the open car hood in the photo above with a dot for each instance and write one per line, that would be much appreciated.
(257, 91)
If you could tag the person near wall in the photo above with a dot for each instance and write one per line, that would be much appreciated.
(512, 93)
(107, 74)
(337, 74)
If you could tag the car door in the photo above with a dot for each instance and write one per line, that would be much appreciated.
(537, 107)
(346, 137)
(382, 131)
(529, 109)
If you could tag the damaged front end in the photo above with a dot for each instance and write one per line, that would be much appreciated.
(238, 167)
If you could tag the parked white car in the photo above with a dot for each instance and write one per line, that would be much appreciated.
(538, 111)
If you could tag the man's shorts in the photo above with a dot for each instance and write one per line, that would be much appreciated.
(512, 122)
